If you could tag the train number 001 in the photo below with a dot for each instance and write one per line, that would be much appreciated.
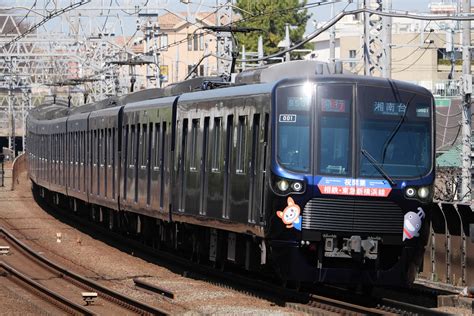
(287, 118)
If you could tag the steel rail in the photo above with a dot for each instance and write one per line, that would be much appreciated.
(109, 294)
(55, 298)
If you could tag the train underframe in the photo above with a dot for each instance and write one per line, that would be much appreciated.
(214, 247)
(291, 262)
(395, 265)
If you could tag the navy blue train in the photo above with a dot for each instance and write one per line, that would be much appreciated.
(312, 176)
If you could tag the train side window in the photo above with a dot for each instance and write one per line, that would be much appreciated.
(162, 162)
(241, 144)
(156, 147)
(216, 145)
(193, 165)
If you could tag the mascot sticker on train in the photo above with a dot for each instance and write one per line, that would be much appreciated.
(412, 224)
(291, 215)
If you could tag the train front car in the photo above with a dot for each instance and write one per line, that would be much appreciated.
(352, 171)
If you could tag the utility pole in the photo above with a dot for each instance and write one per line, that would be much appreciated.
(223, 38)
(287, 42)
(466, 108)
(332, 42)
(26, 106)
(260, 50)
(11, 104)
(366, 44)
(387, 41)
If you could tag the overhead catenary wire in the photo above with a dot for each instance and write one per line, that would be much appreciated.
(46, 19)
(421, 55)
(18, 24)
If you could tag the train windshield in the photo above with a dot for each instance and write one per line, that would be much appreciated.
(395, 129)
(294, 127)
(334, 105)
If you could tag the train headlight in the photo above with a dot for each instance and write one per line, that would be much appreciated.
(297, 186)
(423, 192)
(283, 185)
(410, 192)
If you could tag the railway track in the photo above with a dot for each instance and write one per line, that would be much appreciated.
(66, 290)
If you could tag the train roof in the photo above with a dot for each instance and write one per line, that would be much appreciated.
(244, 90)
(49, 111)
(94, 106)
(367, 80)
(291, 69)
(142, 95)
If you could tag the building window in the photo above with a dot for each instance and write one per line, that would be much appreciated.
(163, 42)
(352, 56)
(195, 42)
(201, 42)
(190, 42)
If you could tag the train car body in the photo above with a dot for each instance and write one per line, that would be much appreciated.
(322, 178)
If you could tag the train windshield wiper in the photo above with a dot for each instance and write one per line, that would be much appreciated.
(377, 166)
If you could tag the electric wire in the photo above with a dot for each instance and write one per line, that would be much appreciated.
(421, 55)
(18, 24)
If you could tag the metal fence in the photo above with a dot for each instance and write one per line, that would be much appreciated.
(449, 256)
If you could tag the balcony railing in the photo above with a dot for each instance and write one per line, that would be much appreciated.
(443, 88)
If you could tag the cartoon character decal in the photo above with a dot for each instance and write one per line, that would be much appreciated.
(412, 224)
(291, 215)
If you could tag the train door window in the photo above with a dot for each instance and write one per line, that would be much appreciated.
(95, 146)
(149, 141)
(205, 146)
(184, 141)
(126, 155)
(103, 142)
(132, 146)
(105, 158)
(136, 157)
(241, 144)
(99, 157)
(334, 107)
(98, 147)
(163, 146)
(112, 159)
(55, 146)
(143, 146)
(162, 163)
(193, 165)
(59, 138)
(216, 145)
(110, 152)
(228, 163)
(156, 147)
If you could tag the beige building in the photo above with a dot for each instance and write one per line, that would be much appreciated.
(419, 52)
(182, 45)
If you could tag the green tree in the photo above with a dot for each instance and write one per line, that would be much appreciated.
(270, 16)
